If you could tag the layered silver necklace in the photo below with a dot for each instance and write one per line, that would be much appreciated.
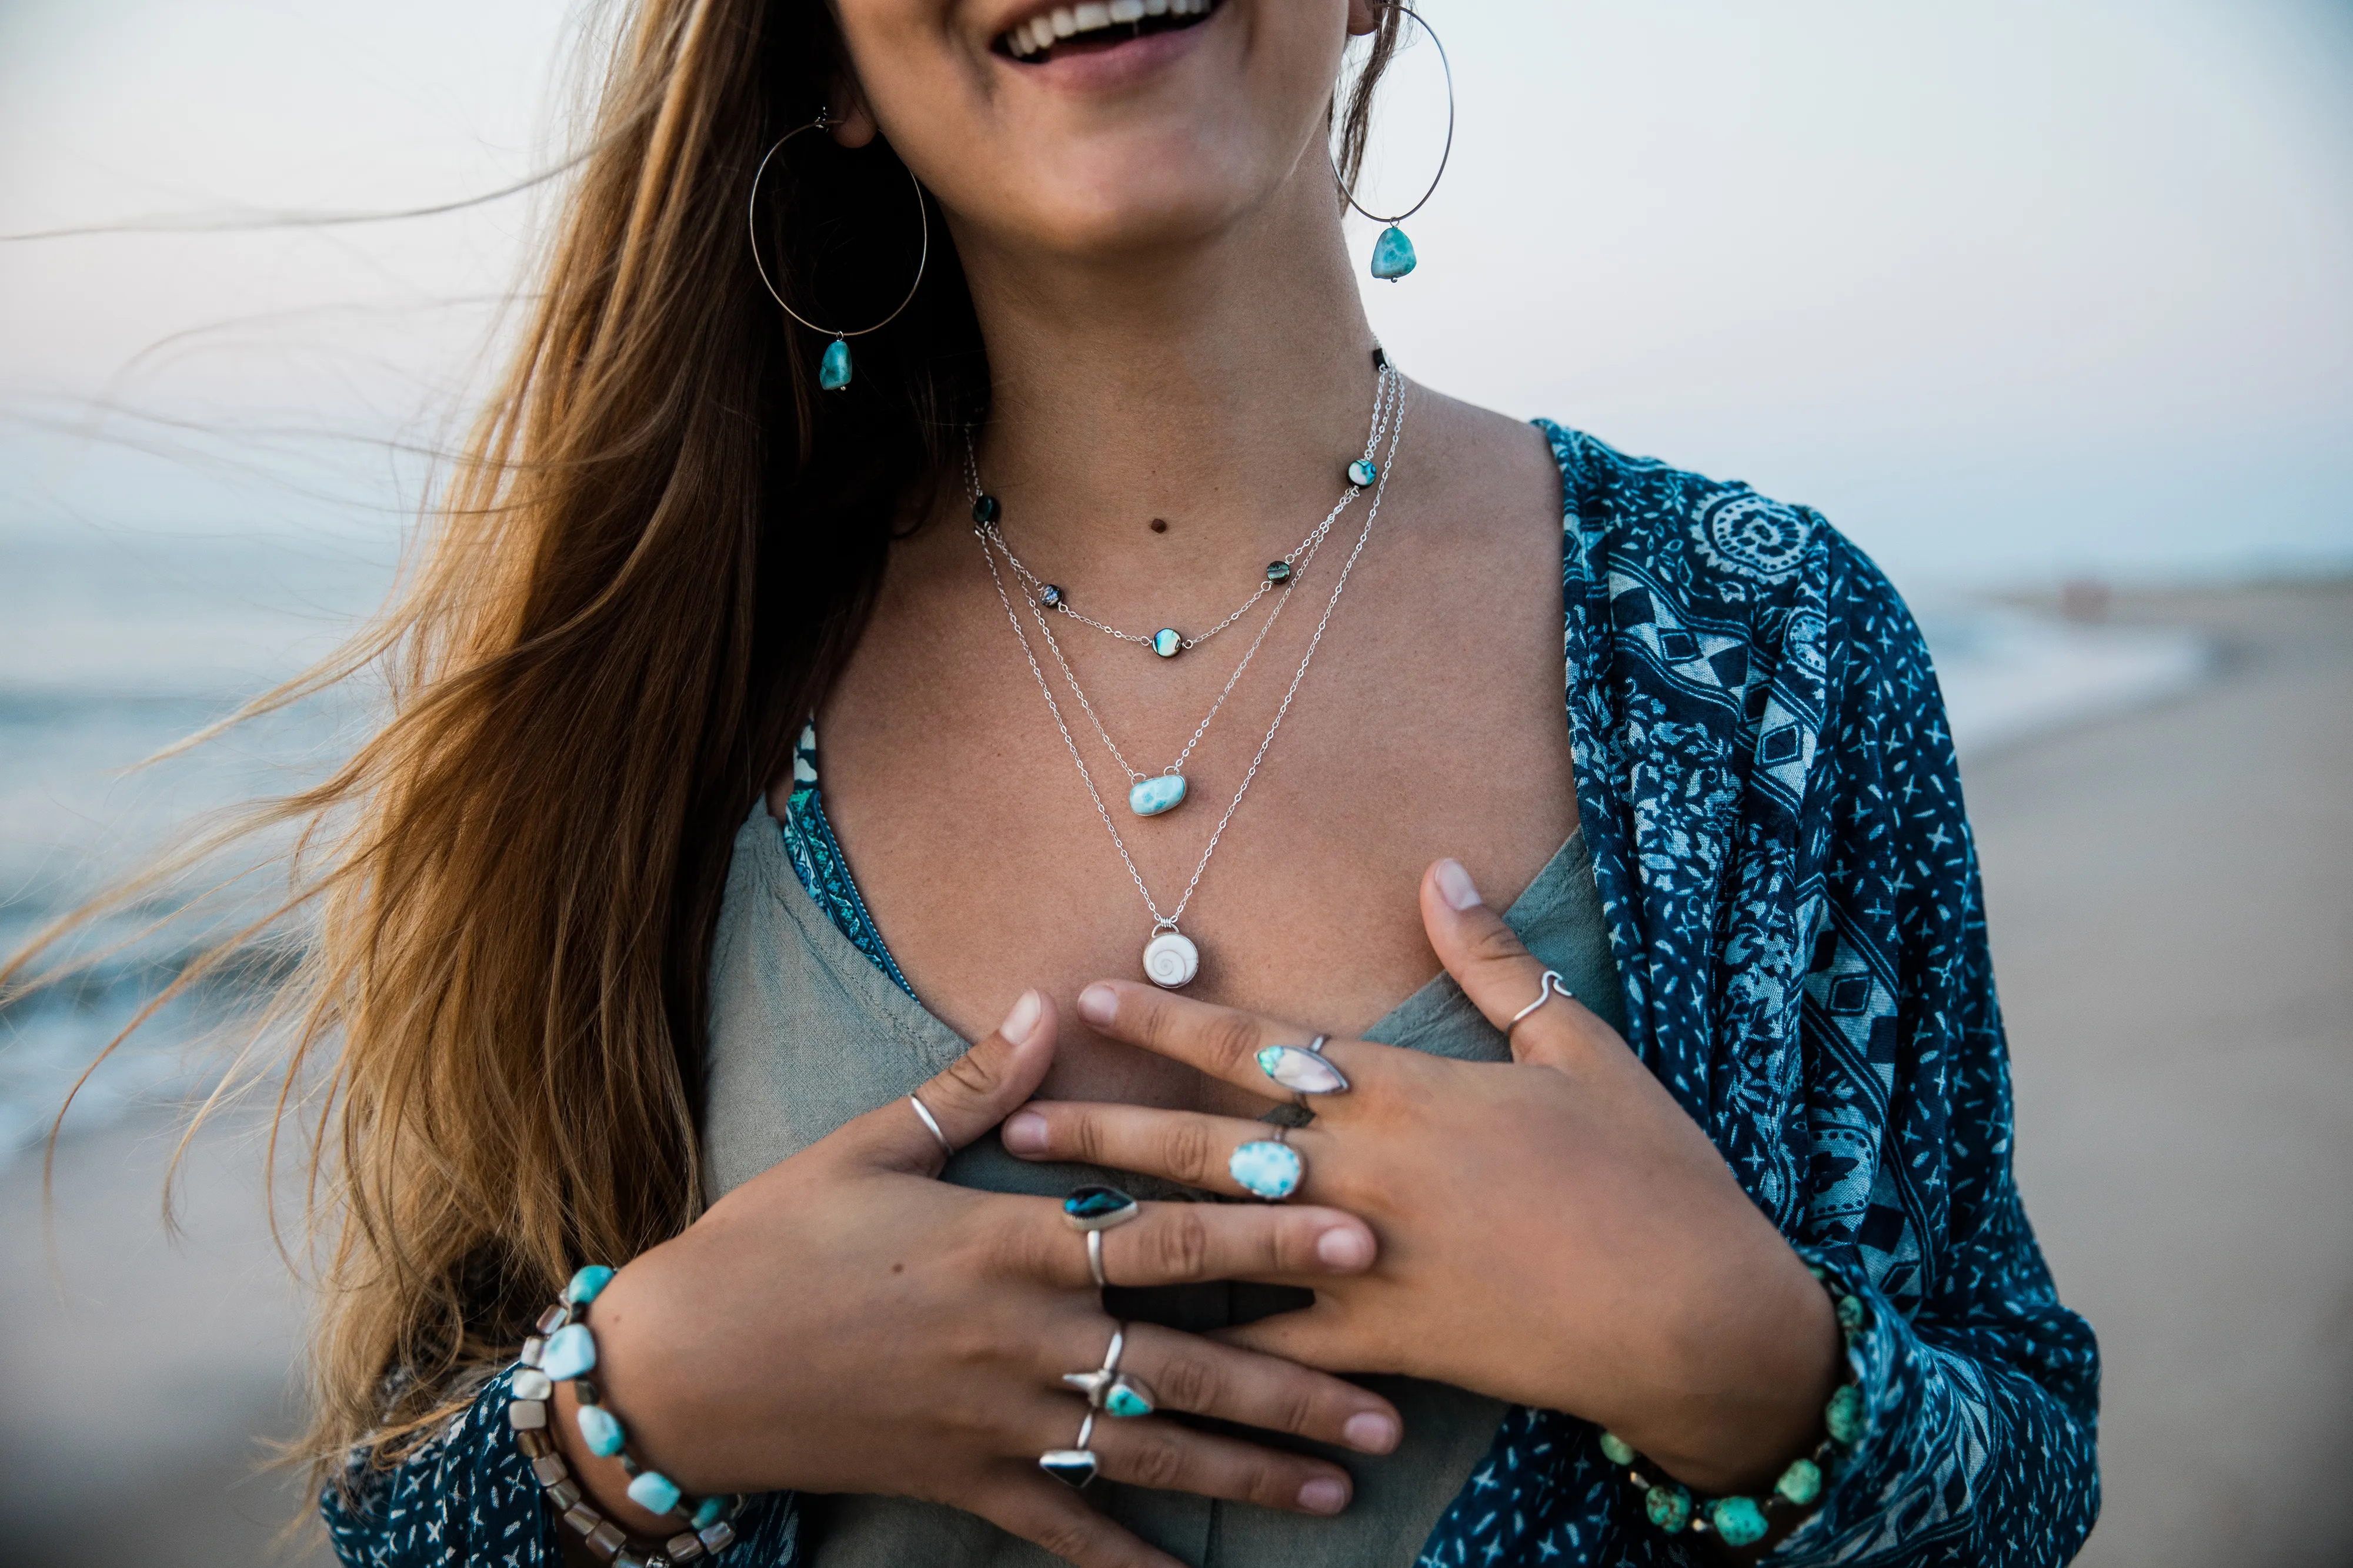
(1171, 959)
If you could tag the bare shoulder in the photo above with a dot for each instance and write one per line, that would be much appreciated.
(1492, 468)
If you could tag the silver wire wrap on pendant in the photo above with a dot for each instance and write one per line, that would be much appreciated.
(1545, 988)
(932, 1126)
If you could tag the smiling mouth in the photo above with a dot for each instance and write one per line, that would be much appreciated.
(1101, 25)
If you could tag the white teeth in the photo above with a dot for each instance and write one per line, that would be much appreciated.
(1155, 7)
(1091, 17)
(1040, 33)
(1125, 11)
(1064, 23)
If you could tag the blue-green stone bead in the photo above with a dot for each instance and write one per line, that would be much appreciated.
(707, 1512)
(1738, 1520)
(834, 374)
(1278, 573)
(1393, 255)
(1801, 1483)
(1267, 1169)
(587, 1285)
(1167, 643)
(654, 1492)
(984, 509)
(1851, 1313)
(1843, 1415)
(570, 1351)
(1620, 1452)
(1669, 1506)
(1161, 792)
(1363, 472)
(601, 1430)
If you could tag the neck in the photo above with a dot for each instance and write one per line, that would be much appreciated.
(1218, 387)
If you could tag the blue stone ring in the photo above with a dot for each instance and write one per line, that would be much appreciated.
(1098, 1208)
(1266, 1169)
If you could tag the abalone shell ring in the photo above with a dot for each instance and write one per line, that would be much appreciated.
(1551, 983)
(1265, 1169)
(1098, 1208)
(1075, 1466)
(1303, 1069)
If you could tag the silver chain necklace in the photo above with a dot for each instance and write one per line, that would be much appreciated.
(1170, 958)
(1280, 572)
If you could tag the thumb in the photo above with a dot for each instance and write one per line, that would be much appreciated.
(1493, 967)
(971, 1093)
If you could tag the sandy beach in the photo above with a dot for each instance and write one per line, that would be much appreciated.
(2171, 896)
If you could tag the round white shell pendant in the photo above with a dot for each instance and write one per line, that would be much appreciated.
(1170, 960)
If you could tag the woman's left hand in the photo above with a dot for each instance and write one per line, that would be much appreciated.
(1554, 1231)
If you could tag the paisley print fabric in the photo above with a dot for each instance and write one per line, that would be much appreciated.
(1769, 791)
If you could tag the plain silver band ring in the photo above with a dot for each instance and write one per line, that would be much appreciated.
(1551, 983)
(932, 1125)
(1318, 1043)
(1095, 1258)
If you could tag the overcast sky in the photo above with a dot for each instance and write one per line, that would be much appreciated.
(2010, 289)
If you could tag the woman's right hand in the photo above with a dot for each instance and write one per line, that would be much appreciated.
(844, 1322)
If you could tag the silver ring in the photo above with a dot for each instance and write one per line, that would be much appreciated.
(932, 1125)
(1075, 1466)
(1095, 1258)
(1551, 983)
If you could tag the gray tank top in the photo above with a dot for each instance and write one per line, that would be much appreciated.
(806, 1032)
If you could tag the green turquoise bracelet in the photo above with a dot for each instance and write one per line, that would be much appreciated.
(1745, 1521)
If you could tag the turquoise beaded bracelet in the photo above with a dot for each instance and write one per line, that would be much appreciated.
(565, 1351)
(1745, 1521)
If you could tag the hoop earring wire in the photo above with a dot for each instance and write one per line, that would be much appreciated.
(1393, 255)
(833, 375)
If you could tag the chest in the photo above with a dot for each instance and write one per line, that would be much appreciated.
(1428, 722)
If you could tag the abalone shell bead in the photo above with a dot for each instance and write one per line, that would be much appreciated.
(1167, 643)
(716, 1538)
(1051, 595)
(552, 1319)
(833, 372)
(984, 509)
(1738, 1520)
(530, 1383)
(1843, 1415)
(1363, 472)
(527, 1415)
(654, 1492)
(1619, 1450)
(1278, 573)
(1393, 255)
(1801, 1483)
(570, 1351)
(601, 1430)
(1669, 1506)
(1301, 1071)
(587, 1285)
(682, 1547)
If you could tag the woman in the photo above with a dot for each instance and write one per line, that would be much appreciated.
(752, 756)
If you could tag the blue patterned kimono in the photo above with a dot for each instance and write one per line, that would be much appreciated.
(1767, 788)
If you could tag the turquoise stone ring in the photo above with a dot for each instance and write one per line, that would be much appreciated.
(1098, 1208)
(1267, 1170)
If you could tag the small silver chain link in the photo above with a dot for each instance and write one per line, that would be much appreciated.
(1168, 921)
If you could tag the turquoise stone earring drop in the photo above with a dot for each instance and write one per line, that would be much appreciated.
(834, 374)
(1161, 792)
(1393, 255)
(1167, 643)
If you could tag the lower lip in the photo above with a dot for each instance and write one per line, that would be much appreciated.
(1118, 66)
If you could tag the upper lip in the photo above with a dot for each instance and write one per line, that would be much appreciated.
(1036, 26)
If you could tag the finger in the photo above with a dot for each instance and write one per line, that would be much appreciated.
(1185, 1146)
(970, 1095)
(1054, 1517)
(1188, 1373)
(1222, 1042)
(1493, 967)
(1321, 1336)
(1178, 1244)
(1170, 1458)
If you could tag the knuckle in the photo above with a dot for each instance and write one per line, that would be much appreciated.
(1189, 1149)
(1183, 1243)
(1495, 944)
(1229, 1038)
(1189, 1383)
(1298, 1407)
(1064, 1535)
(1158, 1460)
(1081, 1134)
(969, 1075)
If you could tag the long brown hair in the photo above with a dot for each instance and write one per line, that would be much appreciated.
(655, 551)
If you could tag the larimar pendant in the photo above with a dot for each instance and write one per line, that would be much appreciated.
(1393, 255)
(834, 374)
(1163, 792)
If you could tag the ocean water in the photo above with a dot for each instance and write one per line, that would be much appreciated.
(115, 645)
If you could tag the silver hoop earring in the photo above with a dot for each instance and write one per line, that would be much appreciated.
(1393, 255)
(834, 371)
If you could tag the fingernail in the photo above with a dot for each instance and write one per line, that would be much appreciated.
(1323, 1495)
(1025, 1133)
(1342, 1248)
(1455, 885)
(1098, 1005)
(1371, 1432)
(1020, 1022)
